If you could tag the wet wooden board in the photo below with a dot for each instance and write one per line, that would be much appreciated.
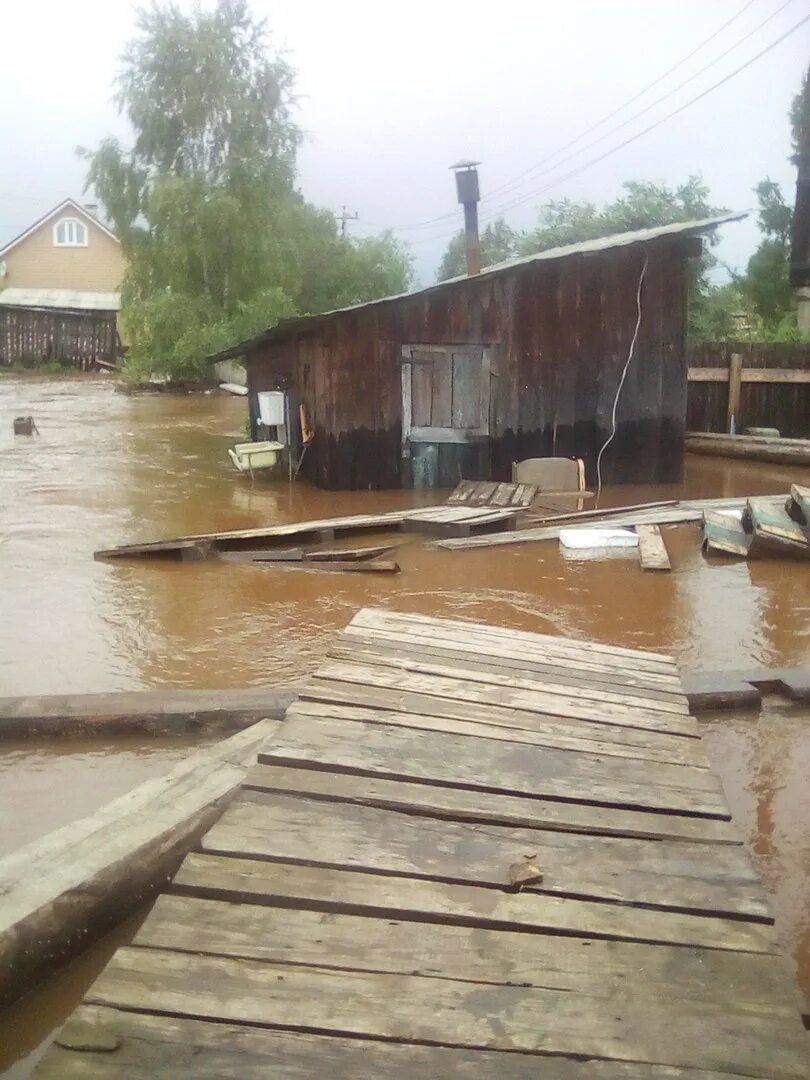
(164, 1048)
(509, 726)
(462, 804)
(64, 890)
(516, 768)
(484, 493)
(533, 643)
(651, 548)
(403, 660)
(158, 1047)
(798, 504)
(317, 888)
(526, 861)
(600, 969)
(666, 874)
(445, 1011)
(373, 678)
(586, 674)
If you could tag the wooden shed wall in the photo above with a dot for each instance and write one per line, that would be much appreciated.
(563, 331)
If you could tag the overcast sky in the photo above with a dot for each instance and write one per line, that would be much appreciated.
(391, 95)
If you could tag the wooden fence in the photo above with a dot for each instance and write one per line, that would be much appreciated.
(742, 385)
(78, 339)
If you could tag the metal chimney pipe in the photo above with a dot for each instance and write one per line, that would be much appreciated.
(469, 195)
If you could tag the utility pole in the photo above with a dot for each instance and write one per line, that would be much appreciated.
(343, 218)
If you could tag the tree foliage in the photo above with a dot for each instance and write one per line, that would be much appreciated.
(498, 242)
(219, 243)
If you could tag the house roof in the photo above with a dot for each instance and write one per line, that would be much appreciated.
(65, 204)
(587, 247)
(61, 299)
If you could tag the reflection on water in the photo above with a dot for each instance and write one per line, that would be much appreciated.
(109, 469)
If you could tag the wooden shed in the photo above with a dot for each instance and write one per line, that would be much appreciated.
(460, 379)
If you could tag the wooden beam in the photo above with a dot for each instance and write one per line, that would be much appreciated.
(651, 548)
(734, 388)
(62, 891)
(751, 375)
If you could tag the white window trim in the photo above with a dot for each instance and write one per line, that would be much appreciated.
(78, 223)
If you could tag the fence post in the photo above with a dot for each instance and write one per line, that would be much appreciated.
(734, 385)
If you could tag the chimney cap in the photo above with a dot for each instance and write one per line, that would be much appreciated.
(464, 164)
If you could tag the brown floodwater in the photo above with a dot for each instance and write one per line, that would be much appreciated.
(108, 468)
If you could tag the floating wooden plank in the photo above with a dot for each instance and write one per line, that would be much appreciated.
(651, 548)
(420, 900)
(684, 512)
(161, 1047)
(346, 554)
(603, 514)
(273, 534)
(723, 534)
(439, 757)
(460, 804)
(445, 1011)
(69, 887)
(351, 566)
(556, 732)
(666, 874)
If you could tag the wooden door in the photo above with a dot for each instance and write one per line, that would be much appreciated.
(445, 414)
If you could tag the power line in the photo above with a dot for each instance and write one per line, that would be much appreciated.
(630, 101)
(656, 123)
(631, 138)
(507, 185)
(646, 109)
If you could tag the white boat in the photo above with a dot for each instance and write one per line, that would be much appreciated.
(250, 456)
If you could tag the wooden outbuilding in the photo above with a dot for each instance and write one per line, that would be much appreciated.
(525, 359)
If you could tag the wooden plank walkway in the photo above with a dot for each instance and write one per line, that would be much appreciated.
(468, 852)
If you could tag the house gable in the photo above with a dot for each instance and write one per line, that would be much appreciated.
(68, 248)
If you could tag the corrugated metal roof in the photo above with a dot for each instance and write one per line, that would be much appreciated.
(586, 247)
(65, 299)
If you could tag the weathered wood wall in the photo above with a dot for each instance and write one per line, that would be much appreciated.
(562, 330)
(785, 406)
(71, 338)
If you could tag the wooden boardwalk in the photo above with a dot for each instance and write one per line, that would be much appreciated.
(469, 852)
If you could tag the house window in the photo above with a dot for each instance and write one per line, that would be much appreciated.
(70, 232)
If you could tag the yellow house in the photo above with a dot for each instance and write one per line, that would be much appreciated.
(60, 284)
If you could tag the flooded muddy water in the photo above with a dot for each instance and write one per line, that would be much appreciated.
(108, 469)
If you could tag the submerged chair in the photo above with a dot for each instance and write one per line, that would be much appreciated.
(551, 474)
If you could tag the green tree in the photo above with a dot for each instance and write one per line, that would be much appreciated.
(219, 243)
(498, 242)
(765, 284)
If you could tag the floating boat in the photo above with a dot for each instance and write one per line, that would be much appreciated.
(250, 456)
